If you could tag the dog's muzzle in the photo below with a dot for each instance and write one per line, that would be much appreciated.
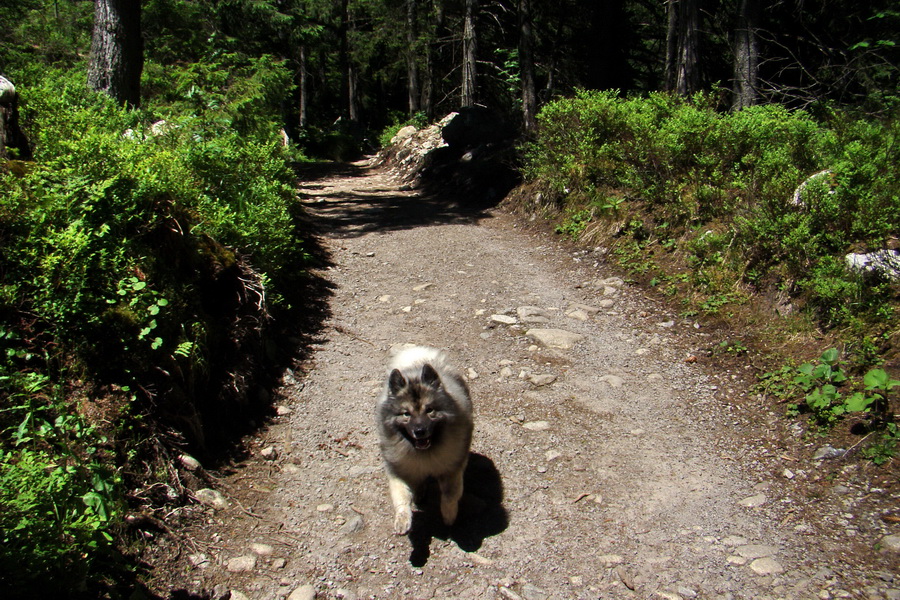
(422, 443)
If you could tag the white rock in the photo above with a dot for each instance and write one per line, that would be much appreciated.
(354, 525)
(211, 498)
(503, 319)
(536, 425)
(756, 550)
(532, 314)
(236, 595)
(471, 373)
(611, 559)
(241, 564)
(578, 314)
(261, 549)
(422, 287)
(189, 462)
(542, 379)
(345, 594)
(282, 411)
(613, 380)
(555, 338)
(201, 561)
(586, 308)
(753, 501)
(269, 453)
(890, 543)
(766, 566)
(304, 592)
(325, 507)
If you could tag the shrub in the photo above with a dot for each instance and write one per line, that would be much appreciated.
(135, 257)
(692, 170)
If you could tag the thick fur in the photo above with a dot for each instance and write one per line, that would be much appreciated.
(424, 419)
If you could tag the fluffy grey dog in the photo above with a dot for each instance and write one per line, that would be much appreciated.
(424, 419)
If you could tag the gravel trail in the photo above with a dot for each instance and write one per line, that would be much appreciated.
(609, 461)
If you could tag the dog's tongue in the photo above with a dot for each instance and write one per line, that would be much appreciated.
(423, 444)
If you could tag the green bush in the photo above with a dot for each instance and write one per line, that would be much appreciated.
(137, 256)
(692, 170)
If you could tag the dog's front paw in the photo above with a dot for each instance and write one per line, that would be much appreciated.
(403, 522)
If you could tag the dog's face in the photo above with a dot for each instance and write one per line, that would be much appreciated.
(417, 408)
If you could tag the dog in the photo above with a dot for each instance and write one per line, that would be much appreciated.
(424, 421)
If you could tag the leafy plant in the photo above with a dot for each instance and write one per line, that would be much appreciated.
(575, 223)
(877, 385)
(823, 382)
(885, 448)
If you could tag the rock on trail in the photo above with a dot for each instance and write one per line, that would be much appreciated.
(604, 465)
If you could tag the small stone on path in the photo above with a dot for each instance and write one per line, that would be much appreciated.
(756, 550)
(241, 564)
(555, 338)
(503, 319)
(352, 526)
(262, 549)
(766, 566)
(578, 314)
(304, 592)
(890, 543)
(542, 379)
(613, 380)
(753, 501)
(536, 426)
(532, 314)
(213, 498)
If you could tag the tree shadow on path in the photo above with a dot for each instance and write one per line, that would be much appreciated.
(357, 210)
(481, 512)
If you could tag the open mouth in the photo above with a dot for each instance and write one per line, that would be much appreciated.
(422, 444)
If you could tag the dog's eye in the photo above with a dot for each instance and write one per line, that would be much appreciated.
(432, 412)
(406, 414)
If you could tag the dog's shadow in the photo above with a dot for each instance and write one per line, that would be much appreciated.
(481, 512)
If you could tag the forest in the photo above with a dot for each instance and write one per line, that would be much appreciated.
(156, 269)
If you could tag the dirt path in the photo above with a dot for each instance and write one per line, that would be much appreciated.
(617, 468)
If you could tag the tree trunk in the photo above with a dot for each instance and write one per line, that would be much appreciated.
(526, 64)
(671, 44)
(435, 23)
(681, 46)
(344, 59)
(352, 93)
(13, 143)
(412, 70)
(304, 88)
(746, 56)
(468, 65)
(117, 50)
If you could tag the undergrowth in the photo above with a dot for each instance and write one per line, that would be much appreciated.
(142, 257)
(730, 213)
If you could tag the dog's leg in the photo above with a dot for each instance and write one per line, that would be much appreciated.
(451, 492)
(401, 496)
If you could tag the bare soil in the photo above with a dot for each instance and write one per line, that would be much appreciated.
(636, 464)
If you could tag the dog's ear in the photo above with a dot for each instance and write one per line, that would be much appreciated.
(430, 377)
(396, 381)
